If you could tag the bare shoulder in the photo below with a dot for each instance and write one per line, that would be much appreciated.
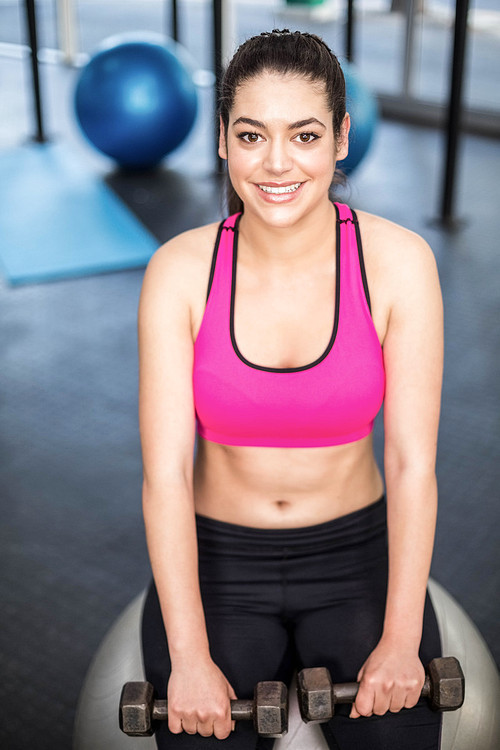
(399, 263)
(400, 268)
(181, 266)
(186, 254)
(387, 242)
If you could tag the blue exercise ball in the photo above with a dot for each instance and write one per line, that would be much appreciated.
(135, 100)
(362, 107)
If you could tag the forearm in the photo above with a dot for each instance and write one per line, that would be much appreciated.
(171, 537)
(411, 518)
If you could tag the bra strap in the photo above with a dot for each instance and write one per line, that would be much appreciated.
(353, 267)
(345, 215)
(231, 222)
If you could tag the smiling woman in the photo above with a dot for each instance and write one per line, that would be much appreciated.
(289, 155)
(276, 336)
(314, 67)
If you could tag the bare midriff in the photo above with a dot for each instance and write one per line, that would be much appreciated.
(273, 488)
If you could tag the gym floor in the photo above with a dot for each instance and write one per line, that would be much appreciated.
(72, 550)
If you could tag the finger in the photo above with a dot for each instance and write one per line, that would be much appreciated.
(411, 699)
(381, 702)
(174, 725)
(222, 729)
(354, 712)
(397, 701)
(232, 696)
(223, 724)
(206, 729)
(188, 726)
(363, 704)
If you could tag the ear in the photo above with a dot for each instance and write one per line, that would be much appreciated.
(343, 139)
(222, 140)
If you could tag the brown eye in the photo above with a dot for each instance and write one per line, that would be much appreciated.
(307, 137)
(249, 137)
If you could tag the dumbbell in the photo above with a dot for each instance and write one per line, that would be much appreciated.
(444, 687)
(268, 710)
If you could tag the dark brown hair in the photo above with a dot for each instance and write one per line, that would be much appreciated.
(287, 52)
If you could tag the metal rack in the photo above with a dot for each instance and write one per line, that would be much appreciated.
(454, 117)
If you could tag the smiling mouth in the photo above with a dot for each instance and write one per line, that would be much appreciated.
(280, 190)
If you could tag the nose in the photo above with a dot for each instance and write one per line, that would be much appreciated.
(277, 159)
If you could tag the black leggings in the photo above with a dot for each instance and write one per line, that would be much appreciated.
(279, 600)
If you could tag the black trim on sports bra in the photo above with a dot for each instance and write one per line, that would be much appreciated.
(214, 258)
(335, 317)
(361, 260)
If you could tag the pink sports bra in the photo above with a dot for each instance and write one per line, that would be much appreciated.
(331, 401)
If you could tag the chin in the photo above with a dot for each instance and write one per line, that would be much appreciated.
(277, 216)
(281, 217)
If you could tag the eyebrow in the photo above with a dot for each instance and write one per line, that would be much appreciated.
(292, 126)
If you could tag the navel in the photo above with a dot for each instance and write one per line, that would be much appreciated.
(282, 504)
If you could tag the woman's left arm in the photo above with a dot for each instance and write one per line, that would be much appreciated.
(392, 676)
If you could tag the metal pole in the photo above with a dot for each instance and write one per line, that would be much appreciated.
(349, 41)
(228, 38)
(175, 21)
(67, 30)
(454, 110)
(217, 23)
(409, 47)
(217, 61)
(29, 6)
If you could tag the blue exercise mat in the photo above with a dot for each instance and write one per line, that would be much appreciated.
(59, 220)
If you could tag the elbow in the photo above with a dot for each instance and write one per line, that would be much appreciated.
(418, 466)
(412, 485)
(160, 474)
(165, 489)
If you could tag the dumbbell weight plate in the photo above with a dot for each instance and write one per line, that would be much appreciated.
(269, 709)
(135, 715)
(444, 686)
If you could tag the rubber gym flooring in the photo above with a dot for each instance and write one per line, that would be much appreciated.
(72, 551)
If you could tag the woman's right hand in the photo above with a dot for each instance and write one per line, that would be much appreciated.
(199, 700)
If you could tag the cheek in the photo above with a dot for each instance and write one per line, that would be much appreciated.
(319, 164)
(245, 164)
(242, 163)
(236, 171)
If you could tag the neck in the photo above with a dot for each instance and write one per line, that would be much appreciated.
(292, 245)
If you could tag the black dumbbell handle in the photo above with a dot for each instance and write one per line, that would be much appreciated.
(269, 709)
(346, 692)
(240, 709)
(444, 687)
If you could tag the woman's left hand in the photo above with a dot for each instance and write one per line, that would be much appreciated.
(390, 679)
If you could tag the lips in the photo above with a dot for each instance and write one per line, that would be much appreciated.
(279, 193)
(290, 187)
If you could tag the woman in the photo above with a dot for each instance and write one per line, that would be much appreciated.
(279, 333)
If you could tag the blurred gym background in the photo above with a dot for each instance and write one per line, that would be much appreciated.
(75, 233)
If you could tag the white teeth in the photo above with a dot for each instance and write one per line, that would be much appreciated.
(280, 190)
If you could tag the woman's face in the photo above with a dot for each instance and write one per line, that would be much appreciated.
(281, 148)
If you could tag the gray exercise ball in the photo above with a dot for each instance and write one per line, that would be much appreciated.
(475, 726)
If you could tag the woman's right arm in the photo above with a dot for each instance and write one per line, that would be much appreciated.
(198, 692)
